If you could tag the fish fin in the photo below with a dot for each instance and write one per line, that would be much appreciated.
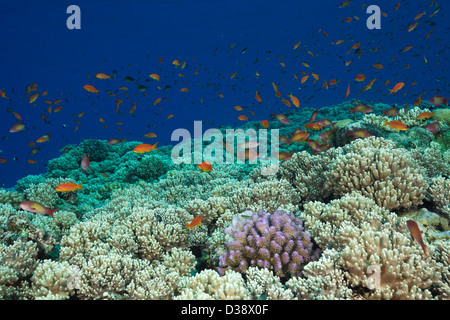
(51, 213)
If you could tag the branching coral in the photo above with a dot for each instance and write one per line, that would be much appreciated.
(17, 262)
(374, 168)
(433, 160)
(374, 246)
(277, 242)
(440, 194)
(209, 285)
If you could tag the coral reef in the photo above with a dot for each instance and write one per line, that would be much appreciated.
(325, 225)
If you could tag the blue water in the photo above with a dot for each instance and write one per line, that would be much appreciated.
(130, 37)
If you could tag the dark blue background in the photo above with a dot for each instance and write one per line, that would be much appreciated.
(130, 36)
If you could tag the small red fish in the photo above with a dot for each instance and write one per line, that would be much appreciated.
(114, 141)
(359, 133)
(361, 108)
(314, 116)
(17, 127)
(392, 112)
(281, 117)
(205, 166)
(265, 123)
(432, 127)
(437, 100)
(85, 164)
(194, 223)
(416, 235)
(36, 207)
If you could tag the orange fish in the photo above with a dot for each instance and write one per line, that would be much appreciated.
(392, 112)
(184, 89)
(205, 166)
(420, 15)
(284, 156)
(359, 133)
(344, 4)
(281, 117)
(33, 97)
(425, 115)
(233, 75)
(155, 76)
(257, 97)
(243, 117)
(265, 123)
(304, 78)
(90, 88)
(407, 48)
(360, 77)
(396, 88)
(17, 127)
(238, 108)
(398, 125)
(144, 147)
(361, 108)
(118, 102)
(170, 116)
(194, 223)
(416, 235)
(102, 76)
(348, 91)
(43, 138)
(301, 136)
(294, 100)
(412, 27)
(66, 187)
(296, 45)
(150, 135)
(314, 115)
(157, 101)
(36, 207)
(31, 161)
(3, 95)
(286, 102)
(378, 66)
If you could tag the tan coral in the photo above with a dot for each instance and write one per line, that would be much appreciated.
(439, 194)
(209, 285)
(375, 248)
(374, 168)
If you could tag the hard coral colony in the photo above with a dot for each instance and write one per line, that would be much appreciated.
(356, 205)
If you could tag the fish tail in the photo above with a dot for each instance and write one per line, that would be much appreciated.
(79, 186)
(351, 110)
(51, 211)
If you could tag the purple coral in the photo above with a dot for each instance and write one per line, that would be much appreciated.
(277, 241)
